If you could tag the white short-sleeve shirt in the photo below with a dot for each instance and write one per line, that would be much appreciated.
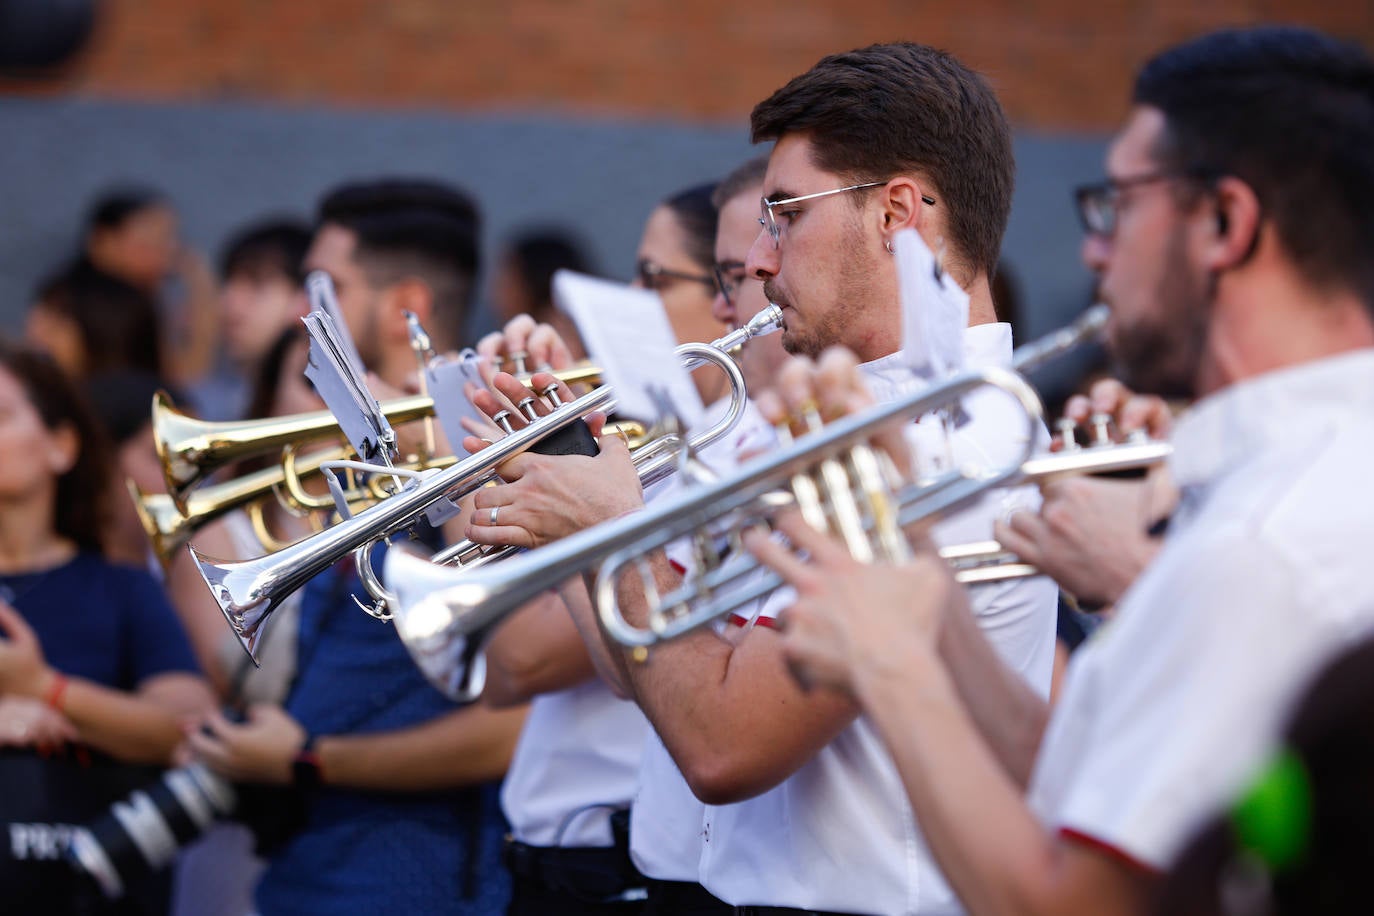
(839, 834)
(1169, 708)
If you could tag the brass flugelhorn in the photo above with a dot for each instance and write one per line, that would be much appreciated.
(247, 592)
(190, 449)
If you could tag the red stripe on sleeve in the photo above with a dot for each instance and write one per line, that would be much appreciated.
(1107, 849)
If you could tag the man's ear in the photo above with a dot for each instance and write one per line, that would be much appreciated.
(407, 295)
(1235, 224)
(902, 205)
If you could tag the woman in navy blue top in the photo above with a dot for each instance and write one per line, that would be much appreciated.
(92, 653)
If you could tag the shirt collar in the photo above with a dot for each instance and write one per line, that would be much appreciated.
(1225, 429)
(984, 345)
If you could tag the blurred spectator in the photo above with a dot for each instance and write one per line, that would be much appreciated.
(523, 284)
(93, 323)
(94, 666)
(132, 233)
(261, 294)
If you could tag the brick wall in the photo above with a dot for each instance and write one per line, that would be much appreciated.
(1058, 64)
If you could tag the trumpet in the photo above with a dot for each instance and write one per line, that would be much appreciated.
(247, 592)
(435, 625)
(190, 449)
(441, 615)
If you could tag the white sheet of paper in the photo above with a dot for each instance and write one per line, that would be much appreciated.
(319, 288)
(934, 312)
(627, 333)
(446, 377)
(339, 378)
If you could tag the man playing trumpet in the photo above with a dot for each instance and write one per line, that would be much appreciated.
(1232, 239)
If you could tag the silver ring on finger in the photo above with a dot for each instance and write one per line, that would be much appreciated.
(494, 510)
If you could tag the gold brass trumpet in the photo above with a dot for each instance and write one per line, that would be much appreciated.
(248, 592)
(191, 449)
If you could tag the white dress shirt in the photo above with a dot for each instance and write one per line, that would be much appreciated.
(838, 834)
(1263, 574)
(576, 762)
(665, 820)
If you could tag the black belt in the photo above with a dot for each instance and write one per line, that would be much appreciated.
(591, 873)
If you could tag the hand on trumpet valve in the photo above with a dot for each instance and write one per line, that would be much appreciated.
(854, 624)
(810, 393)
(1111, 412)
(521, 347)
(1090, 534)
(548, 497)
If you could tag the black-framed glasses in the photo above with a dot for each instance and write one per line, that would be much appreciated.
(730, 276)
(656, 276)
(1099, 204)
(769, 219)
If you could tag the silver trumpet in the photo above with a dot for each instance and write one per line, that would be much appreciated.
(443, 615)
(432, 623)
(247, 592)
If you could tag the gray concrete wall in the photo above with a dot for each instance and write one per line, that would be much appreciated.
(226, 164)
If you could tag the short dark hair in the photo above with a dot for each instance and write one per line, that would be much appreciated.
(115, 205)
(118, 322)
(266, 249)
(1289, 111)
(891, 109)
(537, 254)
(696, 214)
(414, 227)
(740, 180)
(83, 492)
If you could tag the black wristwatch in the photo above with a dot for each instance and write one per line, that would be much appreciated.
(306, 772)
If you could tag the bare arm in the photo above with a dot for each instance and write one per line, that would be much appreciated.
(996, 855)
(469, 745)
(142, 727)
(877, 632)
(537, 650)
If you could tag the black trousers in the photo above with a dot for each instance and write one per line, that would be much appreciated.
(534, 898)
(679, 898)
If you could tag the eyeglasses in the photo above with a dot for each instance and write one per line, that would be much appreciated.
(769, 220)
(1100, 204)
(656, 276)
(729, 278)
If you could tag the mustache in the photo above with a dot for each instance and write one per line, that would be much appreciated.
(770, 291)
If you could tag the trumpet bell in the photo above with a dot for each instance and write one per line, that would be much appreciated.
(432, 625)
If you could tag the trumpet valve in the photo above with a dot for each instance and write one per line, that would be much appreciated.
(502, 419)
(1101, 424)
(550, 394)
(526, 407)
(1067, 433)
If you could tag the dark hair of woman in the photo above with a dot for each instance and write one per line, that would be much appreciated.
(82, 498)
(117, 322)
(696, 214)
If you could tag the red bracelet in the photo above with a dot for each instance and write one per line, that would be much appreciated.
(57, 691)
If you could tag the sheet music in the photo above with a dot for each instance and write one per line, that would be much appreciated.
(934, 310)
(627, 333)
(339, 378)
